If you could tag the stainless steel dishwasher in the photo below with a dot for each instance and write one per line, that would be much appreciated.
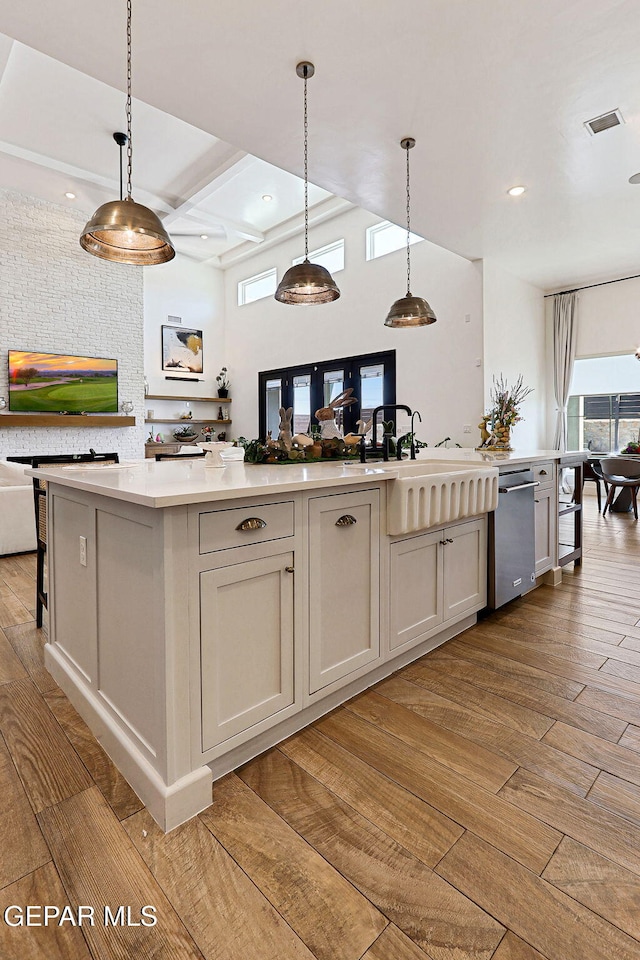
(512, 559)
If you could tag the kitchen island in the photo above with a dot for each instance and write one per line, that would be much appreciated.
(199, 615)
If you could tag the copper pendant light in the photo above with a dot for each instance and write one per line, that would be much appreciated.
(306, 282)
(122, 230)
(409, 311)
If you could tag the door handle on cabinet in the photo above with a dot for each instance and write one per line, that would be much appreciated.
(448, 540)
(346, 520)
(289, 569)
(251, 523)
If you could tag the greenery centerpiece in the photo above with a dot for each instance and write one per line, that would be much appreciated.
(185, 434)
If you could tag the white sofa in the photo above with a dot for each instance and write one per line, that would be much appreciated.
(17, 516)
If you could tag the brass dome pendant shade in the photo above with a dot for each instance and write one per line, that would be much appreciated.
(409, 311)
(122, 230)
(306, 282)
(126, 232)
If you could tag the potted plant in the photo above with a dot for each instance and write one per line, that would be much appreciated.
(185, 434)
(223, 383)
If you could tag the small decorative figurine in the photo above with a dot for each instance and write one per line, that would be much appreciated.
(326, 415)
(284, 434)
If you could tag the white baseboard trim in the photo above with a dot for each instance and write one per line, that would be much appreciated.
(173, 804)
(169, 804)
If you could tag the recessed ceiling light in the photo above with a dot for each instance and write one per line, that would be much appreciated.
(204, 236)
(70, 196)
(516, 191)
(267, 197)
(635, 178)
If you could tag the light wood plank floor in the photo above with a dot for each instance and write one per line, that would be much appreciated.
(482, 802)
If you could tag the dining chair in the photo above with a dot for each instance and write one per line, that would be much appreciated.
(40, 503)
(592, 471)
(621, 473)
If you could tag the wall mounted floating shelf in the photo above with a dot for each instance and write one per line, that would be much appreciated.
(63, 420)
(165, 396)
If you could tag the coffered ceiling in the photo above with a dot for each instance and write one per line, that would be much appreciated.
(495, 92)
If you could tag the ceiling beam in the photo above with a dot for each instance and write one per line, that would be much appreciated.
(322, 211)
(78, 173)
(232, 167)
(238, 227)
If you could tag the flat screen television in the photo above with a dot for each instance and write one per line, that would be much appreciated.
(57, 383)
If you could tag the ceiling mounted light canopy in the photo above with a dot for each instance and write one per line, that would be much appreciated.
(409, 311)
(122, 230)
(306, 282)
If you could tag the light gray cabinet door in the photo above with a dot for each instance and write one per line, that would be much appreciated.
(415, 589)
(246, 636)
(344, 585)
(465, 568)
(546, 525)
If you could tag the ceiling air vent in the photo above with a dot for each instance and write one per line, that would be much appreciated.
(604, 122)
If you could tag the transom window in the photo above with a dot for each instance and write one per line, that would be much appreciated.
(258, 287)
(331, 257)
(385, 237)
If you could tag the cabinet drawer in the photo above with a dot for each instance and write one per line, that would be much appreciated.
(224, 529)
(543, 472)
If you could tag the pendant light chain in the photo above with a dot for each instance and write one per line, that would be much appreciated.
(129, 145)
(124, 231)
(306, 282)
(409, 311)
(408, 228)
(306, 172)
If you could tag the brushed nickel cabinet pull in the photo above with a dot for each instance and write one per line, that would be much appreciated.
(289, 569)
(346, 520)
(252, 523)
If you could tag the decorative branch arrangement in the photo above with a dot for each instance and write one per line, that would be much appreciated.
(507, 400)
(495, 427)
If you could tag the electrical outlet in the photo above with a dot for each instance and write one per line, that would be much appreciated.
(83, 551)
(478, 361)
(467, 318)
(466, 428)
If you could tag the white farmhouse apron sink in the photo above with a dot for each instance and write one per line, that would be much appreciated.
(425, 495)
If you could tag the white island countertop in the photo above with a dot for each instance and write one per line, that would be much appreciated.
(172, 482)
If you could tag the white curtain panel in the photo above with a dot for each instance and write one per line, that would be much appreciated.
(565, 336)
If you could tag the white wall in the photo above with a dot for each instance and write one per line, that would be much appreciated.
(436, 365)
(195, 292)
(56, 298)
(514, 344)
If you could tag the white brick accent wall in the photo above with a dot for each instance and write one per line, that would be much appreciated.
(56, 298)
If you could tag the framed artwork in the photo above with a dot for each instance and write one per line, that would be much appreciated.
(181, 350)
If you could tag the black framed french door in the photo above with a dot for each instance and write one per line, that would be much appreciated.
(307, 387)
